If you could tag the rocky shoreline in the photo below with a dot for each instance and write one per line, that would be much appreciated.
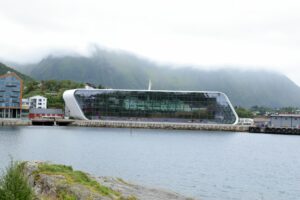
(60, 182)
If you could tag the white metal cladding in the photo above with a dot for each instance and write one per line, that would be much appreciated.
(76, 112)
(71, 103)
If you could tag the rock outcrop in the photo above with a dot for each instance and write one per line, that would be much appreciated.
(60, 182)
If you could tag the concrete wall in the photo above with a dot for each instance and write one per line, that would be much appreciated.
(160, 125)
(14, 122)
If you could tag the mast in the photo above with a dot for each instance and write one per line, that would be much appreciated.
(149, 85)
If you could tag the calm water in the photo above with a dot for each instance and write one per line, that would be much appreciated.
(207, 165)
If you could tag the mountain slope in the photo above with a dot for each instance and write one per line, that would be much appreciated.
(122, 70)
(4, 69)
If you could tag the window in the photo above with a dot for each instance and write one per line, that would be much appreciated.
(156, 105)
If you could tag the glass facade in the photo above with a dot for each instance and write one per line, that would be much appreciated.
(10, 96)
(170, 106)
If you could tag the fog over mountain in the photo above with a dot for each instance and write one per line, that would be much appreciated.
(4, 69)
(257, 34)
(118, 69)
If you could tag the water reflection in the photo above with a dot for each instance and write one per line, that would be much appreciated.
(208, 165)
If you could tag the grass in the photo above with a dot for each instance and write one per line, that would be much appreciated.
(14, 185)
(131, 198)
(66, 196)
(76, 177)
(122, 181)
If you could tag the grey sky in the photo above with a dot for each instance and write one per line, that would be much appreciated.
(249, 34)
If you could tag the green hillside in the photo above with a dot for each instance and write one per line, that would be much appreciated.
(4, 69)
(115, 69)
(51, 89)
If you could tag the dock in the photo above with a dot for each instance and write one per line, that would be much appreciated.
(272, 130)
(15, 122)
(160, 125)
(148, 125)
(35, 122)
(51, 122)
(123, 124)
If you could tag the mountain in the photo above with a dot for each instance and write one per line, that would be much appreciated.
(116, 69)
(4, 69)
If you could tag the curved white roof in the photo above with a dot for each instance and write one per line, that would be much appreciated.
(76, 112)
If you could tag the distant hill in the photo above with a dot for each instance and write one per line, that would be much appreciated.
(117, 69)
(4, 69)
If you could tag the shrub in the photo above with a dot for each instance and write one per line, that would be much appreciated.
(14, 185)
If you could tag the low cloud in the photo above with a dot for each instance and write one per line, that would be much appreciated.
(260, 34)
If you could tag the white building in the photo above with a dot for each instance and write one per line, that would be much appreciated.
(285, 121)
(150, 105)
(246, 121)
(25, 103)
(38, 102)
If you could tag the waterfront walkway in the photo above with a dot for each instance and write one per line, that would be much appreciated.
(160, 125)
(124, 124)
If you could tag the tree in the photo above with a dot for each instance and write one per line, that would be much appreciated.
(244, 113)
(51, 89)
(31, 86)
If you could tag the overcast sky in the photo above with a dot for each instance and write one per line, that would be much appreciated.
(262, 34)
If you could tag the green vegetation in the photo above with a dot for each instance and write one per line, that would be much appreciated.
(244, 113)
(116, 69)
(4, 69)
(76, 177)
(129, 198)
(63, 195)
(263, 111)
(122, 181)
(13, 184)
(51, 89)
(289, 110)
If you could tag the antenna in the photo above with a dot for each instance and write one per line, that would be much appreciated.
(150, 85)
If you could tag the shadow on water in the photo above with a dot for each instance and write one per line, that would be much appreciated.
(10, 129)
